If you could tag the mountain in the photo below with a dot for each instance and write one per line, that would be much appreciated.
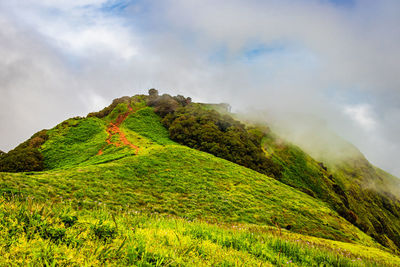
(367, 191)
(156, 179)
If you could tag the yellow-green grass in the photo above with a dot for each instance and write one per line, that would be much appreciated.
(52, 234)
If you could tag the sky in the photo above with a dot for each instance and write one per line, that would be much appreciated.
(335, 60)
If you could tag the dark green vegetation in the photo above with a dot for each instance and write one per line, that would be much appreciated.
(220, 135)
(306, 174)
(379, 215)
(26, 156)
(90, 163)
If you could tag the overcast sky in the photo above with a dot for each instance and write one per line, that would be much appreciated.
(338, 60)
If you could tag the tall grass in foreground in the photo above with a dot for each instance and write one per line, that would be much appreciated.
(55, 234)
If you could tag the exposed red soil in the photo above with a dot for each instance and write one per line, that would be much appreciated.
(113, 129)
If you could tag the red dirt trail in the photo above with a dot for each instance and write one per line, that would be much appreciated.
(113, 129)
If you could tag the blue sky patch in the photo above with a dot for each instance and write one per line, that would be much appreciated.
(116, 6)
(343, 3)
(261, 50)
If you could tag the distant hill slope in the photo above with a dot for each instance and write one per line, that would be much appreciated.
(337, 172)
(128, 156)
(358, 191)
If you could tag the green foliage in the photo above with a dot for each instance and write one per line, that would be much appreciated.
(26, 156)
(68, 220)
(104, 232)
(365, 184)
(56, 235)
(119, 109)
(183, 101)
(304, 173)
(220, 135)
(164, 104)
(153, 93)
(28, 159)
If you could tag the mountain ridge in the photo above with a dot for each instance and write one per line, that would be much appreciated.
(151, 145)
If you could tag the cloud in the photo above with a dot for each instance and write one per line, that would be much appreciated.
(361, 114)
(322, 58)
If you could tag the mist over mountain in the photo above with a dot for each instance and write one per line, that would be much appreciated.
(334, 59)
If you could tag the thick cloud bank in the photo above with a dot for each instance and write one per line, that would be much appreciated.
(334, 60)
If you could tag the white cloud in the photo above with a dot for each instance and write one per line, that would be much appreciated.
(78, 28)
(93, 101)
(362, 115)
(95, 39)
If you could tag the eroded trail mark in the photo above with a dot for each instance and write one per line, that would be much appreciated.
(113, 129)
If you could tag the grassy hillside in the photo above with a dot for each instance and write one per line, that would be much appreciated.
(123, 160)
(73, 141)
(168, 178)
(380, 213)
(36, 234)
(308, 175)
(184, 182)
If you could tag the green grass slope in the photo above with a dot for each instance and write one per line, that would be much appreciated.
(301, 171)
(378, 190)
(92, 162)
(73, 141)
(34, 234)
(188, 183)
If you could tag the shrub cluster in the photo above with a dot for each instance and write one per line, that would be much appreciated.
(207, 130)
(26, 156)
(166, 104)
(199, 127)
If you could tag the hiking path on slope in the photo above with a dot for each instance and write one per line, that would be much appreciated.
(113, 129)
